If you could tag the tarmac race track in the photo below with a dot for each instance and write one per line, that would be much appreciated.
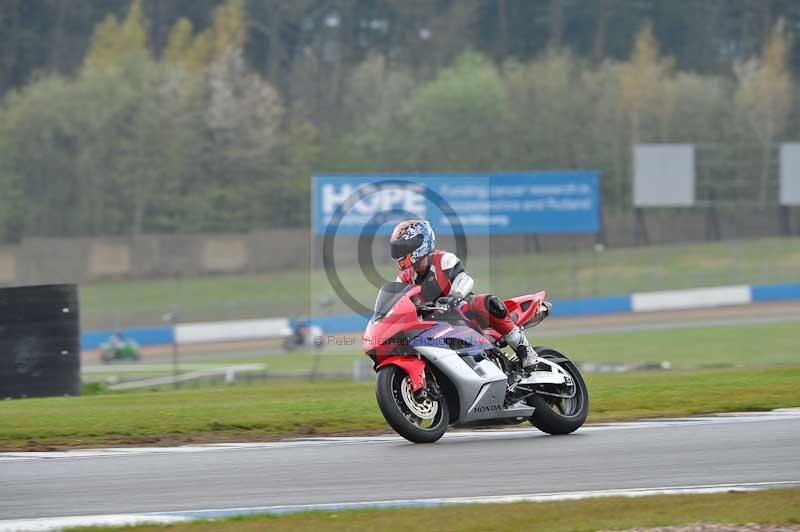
(713, 450)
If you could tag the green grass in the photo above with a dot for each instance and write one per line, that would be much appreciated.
(747, 345)
(563, 275)
(286, 408)
(331, 361)
(780, 506)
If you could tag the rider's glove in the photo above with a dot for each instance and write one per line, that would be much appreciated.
(447, 301)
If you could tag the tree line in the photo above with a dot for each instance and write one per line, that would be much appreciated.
(216, 121)
(702, 35)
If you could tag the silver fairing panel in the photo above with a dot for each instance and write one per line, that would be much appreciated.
(481, 388)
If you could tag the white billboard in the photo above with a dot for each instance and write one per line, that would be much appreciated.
(790, 174)
(663, 175)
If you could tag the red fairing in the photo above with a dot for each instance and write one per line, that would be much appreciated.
(411, 365)
(521, 309)
(378, 336)
(383, 339)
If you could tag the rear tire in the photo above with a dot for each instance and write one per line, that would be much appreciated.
(398, 414)
(555, 416)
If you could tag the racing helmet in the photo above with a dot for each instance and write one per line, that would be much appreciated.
(411, 241)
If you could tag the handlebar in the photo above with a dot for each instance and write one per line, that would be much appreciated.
(431, 306)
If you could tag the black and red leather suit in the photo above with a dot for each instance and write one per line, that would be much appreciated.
(446, 270)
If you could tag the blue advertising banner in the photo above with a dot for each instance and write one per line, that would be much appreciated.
(536, 202)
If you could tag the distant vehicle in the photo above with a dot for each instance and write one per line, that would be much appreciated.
(119, 348)
(436, 368)
(303, 336)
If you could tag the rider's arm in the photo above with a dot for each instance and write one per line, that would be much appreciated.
(461, 285)
(461, 282)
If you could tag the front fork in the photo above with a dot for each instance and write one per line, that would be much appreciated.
(430, 390)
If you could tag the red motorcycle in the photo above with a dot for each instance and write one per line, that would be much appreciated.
(436, 368)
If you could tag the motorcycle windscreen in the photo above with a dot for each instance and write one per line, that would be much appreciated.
(388, 296)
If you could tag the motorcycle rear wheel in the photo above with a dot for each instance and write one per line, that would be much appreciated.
(557, 415)
(418, 422)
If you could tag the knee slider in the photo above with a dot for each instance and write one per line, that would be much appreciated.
(496, 307)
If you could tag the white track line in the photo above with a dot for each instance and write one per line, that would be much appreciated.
(49, 524)
(715, 419)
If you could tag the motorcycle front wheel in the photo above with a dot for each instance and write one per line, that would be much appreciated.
(560, 409)
(417, 421)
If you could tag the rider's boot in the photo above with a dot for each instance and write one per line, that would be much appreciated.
(518, 341)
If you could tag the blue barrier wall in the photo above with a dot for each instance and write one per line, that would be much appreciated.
(338, 324)
(775, 292)
(592, 305)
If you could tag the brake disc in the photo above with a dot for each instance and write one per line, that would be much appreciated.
(422, 409)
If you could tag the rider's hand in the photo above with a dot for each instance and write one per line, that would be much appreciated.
(447, 301)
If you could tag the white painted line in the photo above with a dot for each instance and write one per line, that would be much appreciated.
(782, 414)
(143, 368)
(489, 499)
(46, 524)
(57, 523)
(693, 298)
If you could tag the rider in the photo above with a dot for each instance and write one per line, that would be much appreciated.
(443, 279)
(117, 342)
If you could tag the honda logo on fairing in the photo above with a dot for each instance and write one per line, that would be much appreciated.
(489, 408)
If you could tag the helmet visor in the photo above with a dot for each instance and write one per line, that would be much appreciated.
(404, 263)
(405, 246)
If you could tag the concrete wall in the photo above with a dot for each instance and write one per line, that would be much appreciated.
(47, 260)
(50, 260)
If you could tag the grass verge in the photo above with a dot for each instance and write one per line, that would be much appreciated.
(778, 506)
(291, 408)
(751, 345)
(586, 273)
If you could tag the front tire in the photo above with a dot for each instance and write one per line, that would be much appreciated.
(418, 422)
(555, 415)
